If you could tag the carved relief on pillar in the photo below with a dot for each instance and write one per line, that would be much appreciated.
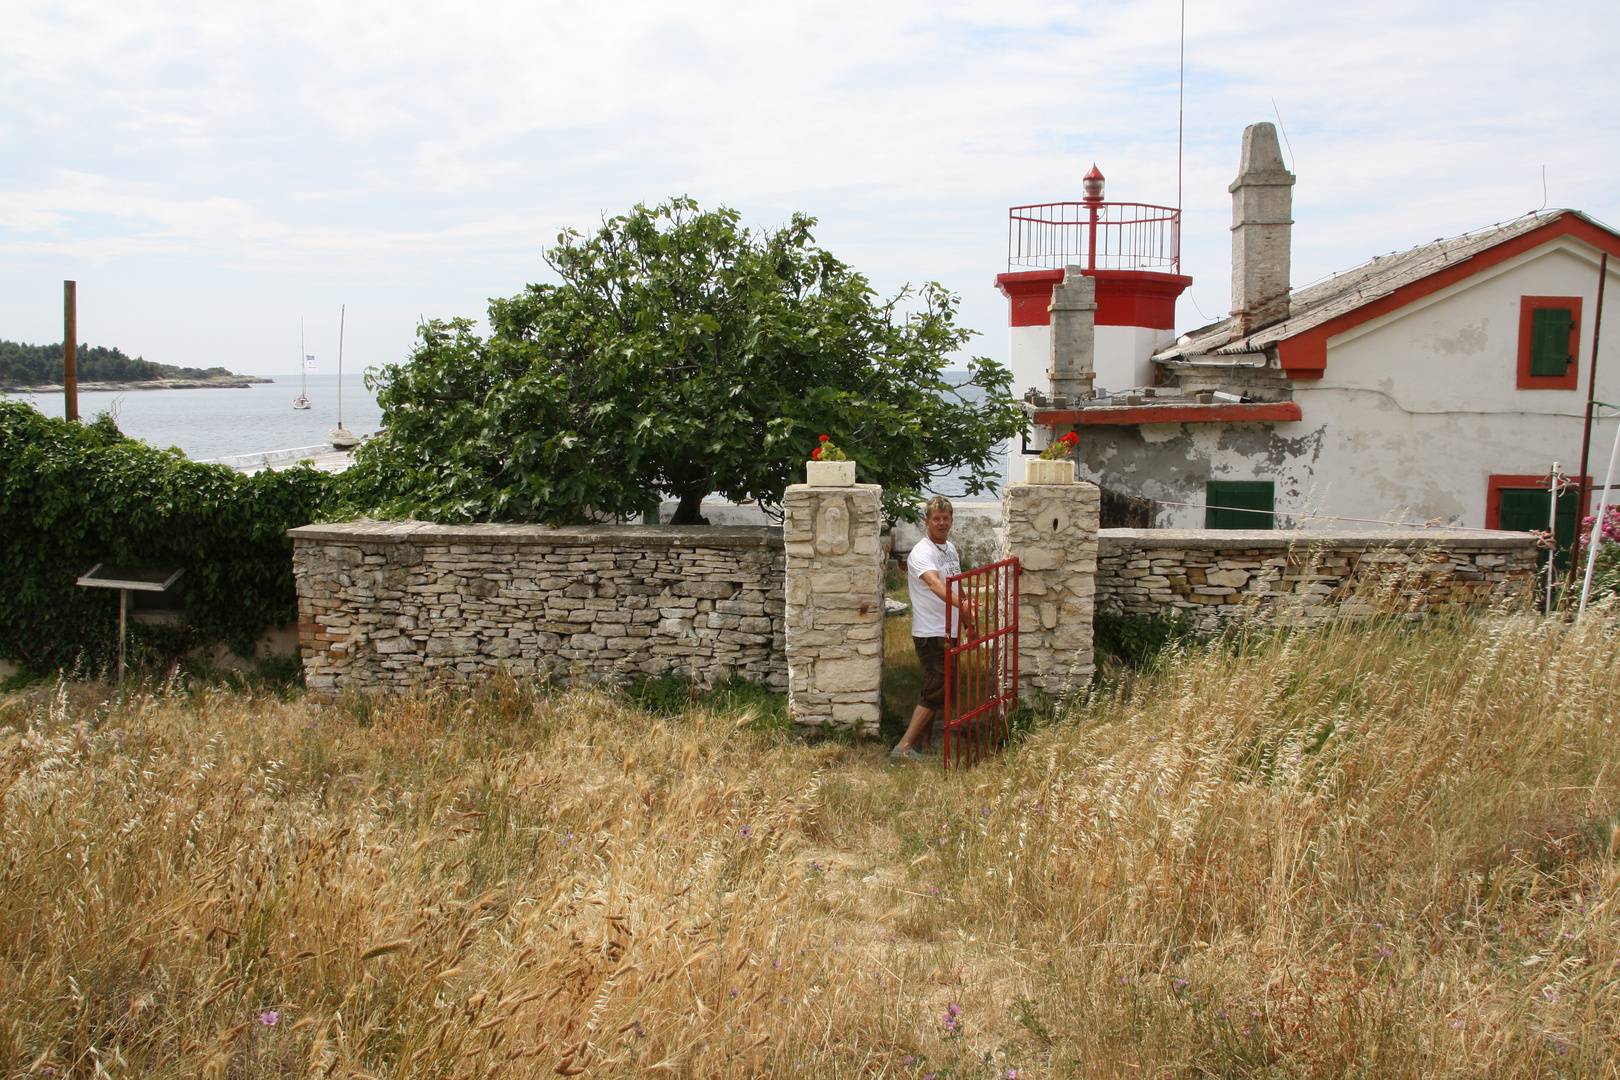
(832, 526)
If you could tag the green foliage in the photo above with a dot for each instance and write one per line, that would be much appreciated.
(72, 495)
(41, 365)
(1605, 574)
(1137, 640)
(674, 693)
(686, 354)
(281, 675)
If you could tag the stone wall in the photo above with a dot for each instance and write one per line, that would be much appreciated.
(834, 605)
(1294, 578)
(383, 605)
(1052, 530)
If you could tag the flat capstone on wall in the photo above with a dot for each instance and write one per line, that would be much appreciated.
(1218, 577)
(384, 605)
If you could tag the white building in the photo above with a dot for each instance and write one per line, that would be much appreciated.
(1437, 383)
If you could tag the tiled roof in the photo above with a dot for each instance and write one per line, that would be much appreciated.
(1316, 304)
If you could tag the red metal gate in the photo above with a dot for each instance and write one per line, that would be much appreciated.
(981, 669)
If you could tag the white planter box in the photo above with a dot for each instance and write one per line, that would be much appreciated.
(829, 473)
(1042, 471)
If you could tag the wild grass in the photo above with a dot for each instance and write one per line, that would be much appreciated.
(1386, 851)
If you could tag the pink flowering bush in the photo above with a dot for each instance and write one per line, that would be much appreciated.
(1606, 574)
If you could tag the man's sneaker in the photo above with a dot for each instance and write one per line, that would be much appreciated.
(908, 754)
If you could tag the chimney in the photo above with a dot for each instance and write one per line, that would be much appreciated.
(1074, 332)
(1262, 209)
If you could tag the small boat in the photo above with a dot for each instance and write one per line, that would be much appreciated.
(340, 437)
(304, 366)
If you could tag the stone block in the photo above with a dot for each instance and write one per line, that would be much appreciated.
(852, 714)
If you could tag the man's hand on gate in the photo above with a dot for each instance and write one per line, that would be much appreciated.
(970, 614)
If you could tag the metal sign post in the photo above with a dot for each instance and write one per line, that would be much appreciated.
(127, 579)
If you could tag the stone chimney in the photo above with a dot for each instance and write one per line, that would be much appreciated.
(1262, 214)
(1074, 334)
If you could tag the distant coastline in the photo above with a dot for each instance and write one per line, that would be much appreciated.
(40, 369)
(223, 382)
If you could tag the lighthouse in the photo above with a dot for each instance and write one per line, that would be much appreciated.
(1090, 276)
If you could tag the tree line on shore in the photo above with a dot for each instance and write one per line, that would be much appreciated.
(41, 365)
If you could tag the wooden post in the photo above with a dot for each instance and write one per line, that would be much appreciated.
(123, 610)
(70, 350)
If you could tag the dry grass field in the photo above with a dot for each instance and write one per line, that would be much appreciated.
(1370, 852)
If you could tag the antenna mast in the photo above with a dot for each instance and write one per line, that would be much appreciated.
(1181, 93)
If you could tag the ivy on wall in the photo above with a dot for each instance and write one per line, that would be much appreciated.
(73, 495)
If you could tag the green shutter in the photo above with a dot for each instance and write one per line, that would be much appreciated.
(1549, 341)
(1525, 509)
(1239, 504)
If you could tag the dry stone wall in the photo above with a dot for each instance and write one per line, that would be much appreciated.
(1300, 578)
(384, 605)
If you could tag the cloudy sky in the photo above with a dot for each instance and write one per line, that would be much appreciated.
(212, 173)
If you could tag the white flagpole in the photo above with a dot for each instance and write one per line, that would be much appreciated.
(1596, 538)
(1552, 530)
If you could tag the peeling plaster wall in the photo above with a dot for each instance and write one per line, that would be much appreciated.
(1424, 403)
(1171, 463)
(1417, 410)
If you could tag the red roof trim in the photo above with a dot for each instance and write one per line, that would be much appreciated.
(1130, 415)
(1304, 355)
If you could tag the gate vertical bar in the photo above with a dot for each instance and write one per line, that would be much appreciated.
(981, 669)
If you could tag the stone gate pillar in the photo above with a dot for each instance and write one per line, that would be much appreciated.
(834, 605)
(1052, 530)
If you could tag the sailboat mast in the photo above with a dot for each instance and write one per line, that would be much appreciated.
(303, 363)
(343, 316)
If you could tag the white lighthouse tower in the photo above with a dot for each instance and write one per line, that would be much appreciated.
(1132, 254)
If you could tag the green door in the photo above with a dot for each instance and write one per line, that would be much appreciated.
(1525, 509)
(1239, 504)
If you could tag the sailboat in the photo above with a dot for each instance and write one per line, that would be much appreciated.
(340, 437)
(302, 400)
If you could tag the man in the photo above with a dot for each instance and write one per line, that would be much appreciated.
(930, 563)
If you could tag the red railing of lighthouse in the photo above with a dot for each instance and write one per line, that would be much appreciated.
(981, 669)
(1096, 235)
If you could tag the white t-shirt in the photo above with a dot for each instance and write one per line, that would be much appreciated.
(927, 609)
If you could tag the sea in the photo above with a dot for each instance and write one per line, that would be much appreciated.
(212, 423)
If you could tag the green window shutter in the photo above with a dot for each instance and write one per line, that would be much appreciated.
(1239, 504)
(1549, 341)
(1525, 509)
